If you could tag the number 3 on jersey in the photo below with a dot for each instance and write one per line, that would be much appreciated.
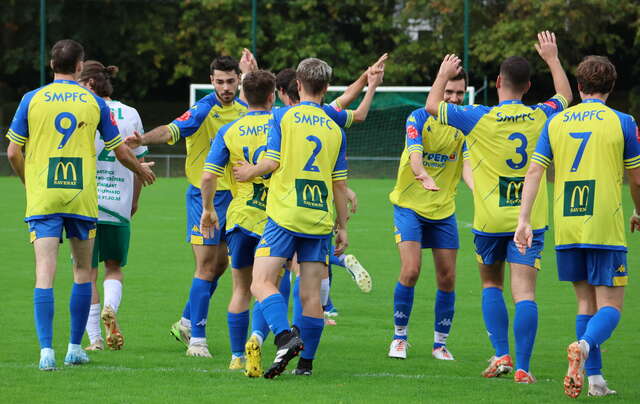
(70, 123)
(310, 166)
(521, 150)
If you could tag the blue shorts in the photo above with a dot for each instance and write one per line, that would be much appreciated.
(242, 247)
(490, 249)
(52, 227)
(410, 226)
(221, 202)
(599, 267)
(278, 242)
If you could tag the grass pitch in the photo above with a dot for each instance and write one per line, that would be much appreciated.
(351, 364)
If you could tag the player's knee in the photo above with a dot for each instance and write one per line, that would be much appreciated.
(446, 281)
(409, 274)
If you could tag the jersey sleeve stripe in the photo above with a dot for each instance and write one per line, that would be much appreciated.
(466, 155)
(633, 162)
(540, 159)
(415, 148)
(175, 133)
(15, 138)
(339, 175)
(272, 155)
(442, 112)
(349, 119)
(214, 169)
(113, 143)
(563, 101)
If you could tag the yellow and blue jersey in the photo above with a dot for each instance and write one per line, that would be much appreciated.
(199, 126)
(243, 139)
(57, 125)
(590, 144)
(441, 149)
(500, 141)
(311, 150)
(343, 117)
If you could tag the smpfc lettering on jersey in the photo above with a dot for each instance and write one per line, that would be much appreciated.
(583, 115)
(514, 118)
(65, 96)
(253, 130)
(313, 120)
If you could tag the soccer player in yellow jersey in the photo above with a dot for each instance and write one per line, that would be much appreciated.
(243, 139)
(306, 153)
(424, 217)
(500, 141)
(590, 144)
(199, 126)
(57, 125)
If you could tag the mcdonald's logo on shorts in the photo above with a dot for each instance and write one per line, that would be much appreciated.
(511, 191)
(65, 172)
(312, 194)
(579, 197)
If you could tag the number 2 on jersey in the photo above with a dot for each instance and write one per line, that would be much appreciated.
(583, 144)
(521, 150)
(310, 166)
(68, 131)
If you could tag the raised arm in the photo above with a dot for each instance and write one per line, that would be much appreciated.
(548, 50)
(374, 79)
(449, 69)
(352, 92)
(247, 64)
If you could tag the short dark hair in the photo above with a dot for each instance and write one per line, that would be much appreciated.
(225, 64)
(596, 75)
(314, 74)
(462, 76)
(101, 76)
(516, 71)
(65, 55)
(257, 86)
(286, 81)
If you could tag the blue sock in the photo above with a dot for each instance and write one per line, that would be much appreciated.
(593, 365)
(186, 312)
(199, 297)
(339, 261)
(43, 310)
(402, 305)
(79, 306)
(444, 311)
(601, 326)
(258, 323)
(310, 332)
(525, 326)
(238, 326)
(285, 286)
(297, 303)
(275, 312)
(496, 319)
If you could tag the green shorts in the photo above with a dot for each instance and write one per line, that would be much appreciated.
(111, 243)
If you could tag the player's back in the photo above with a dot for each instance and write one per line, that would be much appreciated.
(301, 189)
(115, 182)
(500, 141)
(246, 139)
(60, 166)
(588, 148)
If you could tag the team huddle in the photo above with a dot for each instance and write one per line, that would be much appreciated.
(268, 192)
